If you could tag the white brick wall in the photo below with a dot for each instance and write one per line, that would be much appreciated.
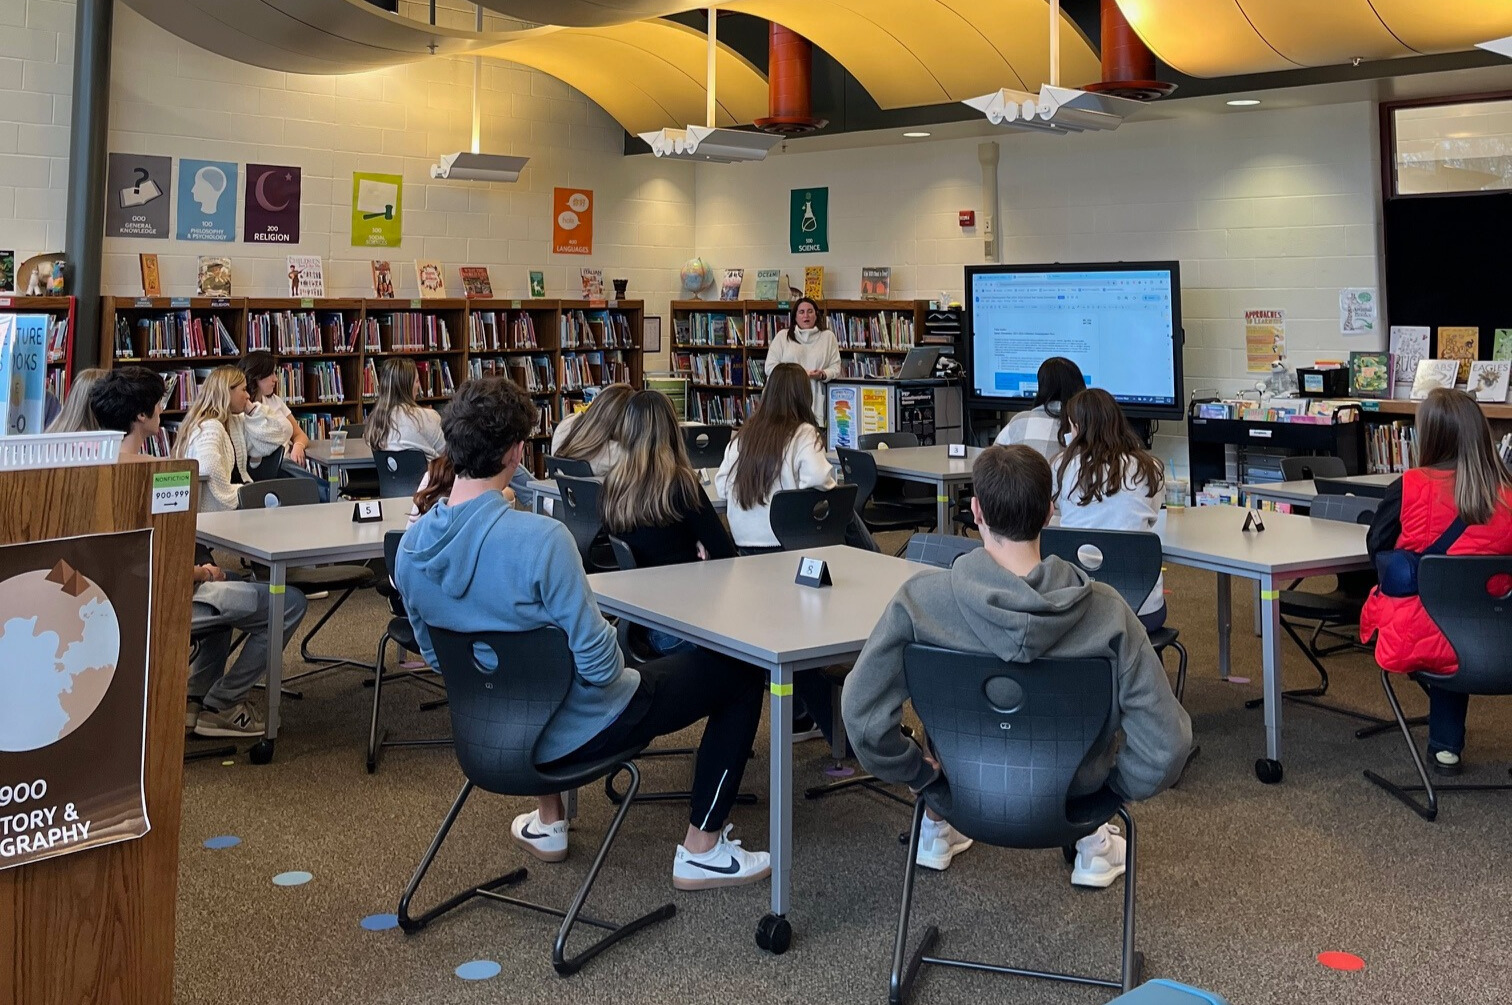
(36, 79)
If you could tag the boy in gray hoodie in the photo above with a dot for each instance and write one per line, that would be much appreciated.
(1004, 600)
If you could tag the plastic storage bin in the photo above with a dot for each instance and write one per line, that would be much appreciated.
(1162, 992)
(59, 450)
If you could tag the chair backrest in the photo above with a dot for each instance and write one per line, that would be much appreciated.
(812, 518)
(1127, 560)
(881, 441)
(268, 468)
(706, 444)
(502, 689)
(355, 430)
(1297, 469)
(859, 469)
(580, 512)
(940, 550)
(1339, 487)
(399, 472)
(278, 492)
(623, 556)
(1470, 598)
(390, 589)
(1010, 738)
(1345, 509)
(570, 466)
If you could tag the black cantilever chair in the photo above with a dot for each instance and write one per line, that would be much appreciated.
(1010, 738)
(504, 688)
(812, 518)
(401, 633)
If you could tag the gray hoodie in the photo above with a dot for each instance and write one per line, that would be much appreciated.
(1056, 611)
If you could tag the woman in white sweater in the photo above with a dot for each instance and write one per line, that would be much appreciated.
(397, 421)
(269, 422)
(779, 447)
(212, 434)
(814, 349)
(1107, 480)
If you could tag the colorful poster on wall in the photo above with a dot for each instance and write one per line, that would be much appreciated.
(136, 196)
(271, 215)
(377, 209)
(844, 416)
(876, 409)
(1264, 339)
(808, 230)
(74, 617)
(206, 200)
(1357, 312)
(572, 221)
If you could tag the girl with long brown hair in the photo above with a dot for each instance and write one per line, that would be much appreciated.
(593, 435)
(397, 421)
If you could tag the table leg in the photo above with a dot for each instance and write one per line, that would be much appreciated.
(1225, 622)
(1269, 769)
(276, 588)
(942, 507)
(1259, 628)
(774, 932)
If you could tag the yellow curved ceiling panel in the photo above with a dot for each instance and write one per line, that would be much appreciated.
(586, 13)
(1446, 26)
(1313, 33)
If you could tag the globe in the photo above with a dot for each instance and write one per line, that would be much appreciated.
(696, 276)
(59, 642)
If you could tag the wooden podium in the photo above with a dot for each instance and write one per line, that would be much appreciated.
(97, 925)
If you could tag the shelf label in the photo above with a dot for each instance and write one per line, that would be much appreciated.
(514, 305)
(1261, 434)
(218, 302)
(143, 302)
(592, 304)
(414, 304)
(178, 302)
(170, 492)
(1371, 406)
(306, 302)
(5, 301)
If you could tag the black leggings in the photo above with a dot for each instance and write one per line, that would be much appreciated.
(675, 692)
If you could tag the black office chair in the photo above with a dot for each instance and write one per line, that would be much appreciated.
(860, 470)
(268, 467)
(1466, 596)
(884, 441)
(358, 483)
(500, 706)
(1010, 738)
(570, 466)
(1127, 560)
(812, 518)
(402, 634)
(579, 510)
(399, 472)
(896, 490)
(342, 579)
(1340, 487)
(1297, 469)
(706, 444)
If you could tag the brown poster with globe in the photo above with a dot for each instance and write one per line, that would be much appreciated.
(74, 621)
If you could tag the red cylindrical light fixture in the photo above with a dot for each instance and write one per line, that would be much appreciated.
(790, 82)
(1128, 65)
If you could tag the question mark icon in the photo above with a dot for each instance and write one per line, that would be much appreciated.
(142, 177)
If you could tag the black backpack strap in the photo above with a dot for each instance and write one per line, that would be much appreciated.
(1446, 540)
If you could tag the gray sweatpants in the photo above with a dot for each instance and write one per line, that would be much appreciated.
(220, 607)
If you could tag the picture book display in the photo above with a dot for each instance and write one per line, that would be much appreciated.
(537, 284)
(1488, 380)
(1432, 373)
(730, 288)
(7, 271)
(214, 278)
(1501, 347)
(432, 282)
(876, 282)
(306, 276)
(152, 280)
(475, 282)
(593, 283)
(767, 281)
(813, 282)
(1370, 374)
(1461, 344)
(383, 280)
(1409, 345)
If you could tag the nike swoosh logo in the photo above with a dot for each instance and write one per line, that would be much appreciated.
(728, 870)
(525, 833)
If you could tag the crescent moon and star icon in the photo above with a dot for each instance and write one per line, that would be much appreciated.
(262, 194)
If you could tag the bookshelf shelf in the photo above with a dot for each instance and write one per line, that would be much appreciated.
(1401, 408)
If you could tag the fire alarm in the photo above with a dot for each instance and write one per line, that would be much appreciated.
(968, 217)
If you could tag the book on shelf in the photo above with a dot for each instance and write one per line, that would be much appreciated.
(767, 283)
(383, 280)
(813, 282)
(434, 378)
(718, 408)
(407, 331)
(174, 334)
(1390, 446)
(152, 280)
(592, 283)
(537, 284)
(475, 282)
(1462, 344)
(432, 282)
(56, 378)
(715, 369)
(372, 335)
(57, 340)
(214, 277)
(1370, 374)
(755, 372)
(1408, 345)
(892, 330)
(871, 366)
(544, 422)
(1488, 380)
(306, 276)
(288, 333)
(1501, 347)
(318, 425)
(876, 282)
(1432, 373)
(369, 380)
(291, 383)
(7, 271)
(729, 289)
(324, 382)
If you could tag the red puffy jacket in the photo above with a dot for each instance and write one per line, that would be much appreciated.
(1406, 637)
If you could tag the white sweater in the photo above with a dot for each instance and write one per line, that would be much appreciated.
(1130, 508)
(269, 424)
(219, 452)
(603, 462)
(812, 349)
(804, 466)
(415, 429)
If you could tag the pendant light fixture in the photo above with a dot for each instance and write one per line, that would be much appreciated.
(476, 166)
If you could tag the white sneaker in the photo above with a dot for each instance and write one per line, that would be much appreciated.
(939, 843)
(1099, 858)
(726, 864)
(547, 842)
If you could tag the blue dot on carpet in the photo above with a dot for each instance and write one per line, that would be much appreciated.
(380, 922)
(292, 879)
(222, 841)
(478, 970)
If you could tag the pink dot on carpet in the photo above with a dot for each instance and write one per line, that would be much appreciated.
(1335, 960)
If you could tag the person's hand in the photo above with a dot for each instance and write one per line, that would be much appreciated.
(209, 573)
(703, 553)
(509, 495)
(297, 453)
(816, 374)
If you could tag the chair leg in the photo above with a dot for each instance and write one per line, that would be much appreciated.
(1132, 960)
(1430, 811)
(868, 782)
(411, 925)
(901, 980)
(330, 661)
(375, 737)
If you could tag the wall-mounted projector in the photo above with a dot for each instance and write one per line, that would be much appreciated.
(1055, 109)
(705, 143)
(479, 167)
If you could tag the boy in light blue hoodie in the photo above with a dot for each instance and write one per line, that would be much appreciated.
(474, 564)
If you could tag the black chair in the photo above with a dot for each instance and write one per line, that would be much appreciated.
(1130, 562)
(883, 441)
(1340, 487)
(399, 472)
(498, 713)
(570, 466)
(896, 490)
(579, 510)
(860, 470)
(812, 518)
(1297, 469)
(1010, 738)
(402, 634)
(342, 579)
(268, 468)
(1462, 596)
(358, 483)
(706, 444)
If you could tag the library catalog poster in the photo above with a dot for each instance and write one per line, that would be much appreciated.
(136, 200)
(74, 616)
(808, 223)
(572, 221)
(272, 210)
(1264, 339)
(377, 209)
(206, 200)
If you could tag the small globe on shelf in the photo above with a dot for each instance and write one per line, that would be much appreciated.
(696, 276)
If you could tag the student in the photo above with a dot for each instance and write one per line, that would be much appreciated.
(269, 424)
(1460, 491)
(75, 416)
(1005, 601)
(1043, 426)
(779, 447)
(815, 350)
(212, 434)
(130, 399)
(1106, 479)
(473, 564)
(397, 421)
(593, 435)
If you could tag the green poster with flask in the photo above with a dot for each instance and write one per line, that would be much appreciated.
(809, 223)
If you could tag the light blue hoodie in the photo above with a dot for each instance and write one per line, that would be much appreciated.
(485, 566)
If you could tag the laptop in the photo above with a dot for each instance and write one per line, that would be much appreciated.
(919, 364)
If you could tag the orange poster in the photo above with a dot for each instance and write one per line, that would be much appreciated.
(572, 221)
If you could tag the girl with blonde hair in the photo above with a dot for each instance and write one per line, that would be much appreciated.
(212, 434)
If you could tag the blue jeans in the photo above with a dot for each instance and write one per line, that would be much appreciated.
(1446, 719)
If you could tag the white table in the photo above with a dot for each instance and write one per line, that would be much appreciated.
(800, 628)
(929, 466)
(358, 455)
(281, 539)
(1303, 491)
(547, 488)
(1290, 547)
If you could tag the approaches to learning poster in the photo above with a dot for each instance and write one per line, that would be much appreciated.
(1264, 339)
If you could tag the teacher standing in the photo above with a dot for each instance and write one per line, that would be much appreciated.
(811, 347)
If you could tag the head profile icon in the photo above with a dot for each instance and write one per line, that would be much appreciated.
(209, 186)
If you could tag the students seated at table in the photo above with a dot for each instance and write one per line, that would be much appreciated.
(269, 424)
(1005, 600)
(1460, 495)
(474, 564)
(75, 416)
(1043, 426)
(212, 434)
(1105, 479)
(130, 399)
(814, 349)
(593, 435)
(398, 422)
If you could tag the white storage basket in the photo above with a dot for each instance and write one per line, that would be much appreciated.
(59, 450)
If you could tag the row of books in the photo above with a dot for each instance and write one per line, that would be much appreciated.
(185, 388)
(174, 335)
(718, 369)
(862, 365)
(490, 331)
(1390, 446)
(717, 409)
(160, 444)
(56, 378)
(593, 369)
(1315, 411)
(581, 330)
(762, 328)
(435, 378)
(532, 373)
(57, 340)
(409, 332)
(291, 333)
(318, 425)
(299, 383)
(883, 330)
(708, 330)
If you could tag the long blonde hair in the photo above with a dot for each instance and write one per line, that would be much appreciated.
(77, 416)
(654, 485)
(1451, 426)
(211, 404)
(592, 433)
(396, 393)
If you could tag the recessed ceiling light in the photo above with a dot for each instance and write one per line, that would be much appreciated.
(1244, 102)
(916, 135)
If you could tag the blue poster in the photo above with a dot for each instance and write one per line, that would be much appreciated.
(206, 200)
(23, 371)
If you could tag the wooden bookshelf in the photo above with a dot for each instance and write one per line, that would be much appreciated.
(62, 310)
(1398, 408)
